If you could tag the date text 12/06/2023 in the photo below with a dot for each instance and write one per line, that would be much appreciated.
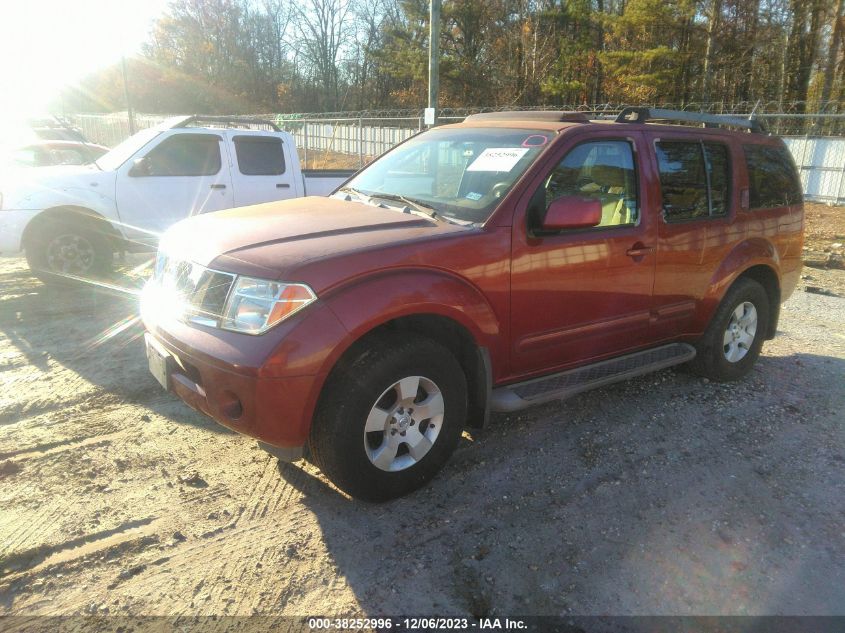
(415, 624)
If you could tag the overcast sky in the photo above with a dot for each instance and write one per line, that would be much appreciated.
(45, 44)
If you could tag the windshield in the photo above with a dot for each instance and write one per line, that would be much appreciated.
(124, 151)
(461, 173)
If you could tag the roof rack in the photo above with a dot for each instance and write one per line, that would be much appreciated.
(531, 115)
(223, 121)
(642, 115)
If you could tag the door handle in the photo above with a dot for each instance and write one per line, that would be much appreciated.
(639, 250)
(282, 185)
(218, 186)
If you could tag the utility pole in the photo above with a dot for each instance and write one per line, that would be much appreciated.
(126, 96)
(433, 62)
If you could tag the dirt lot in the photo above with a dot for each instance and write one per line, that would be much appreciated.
(663, 495)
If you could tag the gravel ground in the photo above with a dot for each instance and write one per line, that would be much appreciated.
(663, 495)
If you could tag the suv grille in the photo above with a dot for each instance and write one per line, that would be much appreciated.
(202, 292)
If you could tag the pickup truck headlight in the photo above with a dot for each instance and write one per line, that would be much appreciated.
(256, 305)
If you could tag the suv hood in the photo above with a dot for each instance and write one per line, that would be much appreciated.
(278, 239)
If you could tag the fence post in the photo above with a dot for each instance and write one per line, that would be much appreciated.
(305, 146)
(360, 142)
(839, 195)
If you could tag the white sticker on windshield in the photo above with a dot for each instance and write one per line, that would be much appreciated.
(498, 159)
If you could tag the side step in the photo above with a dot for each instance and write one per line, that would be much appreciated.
(574, 381)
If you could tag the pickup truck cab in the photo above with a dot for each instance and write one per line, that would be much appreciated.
(70, 220)
(509, 260)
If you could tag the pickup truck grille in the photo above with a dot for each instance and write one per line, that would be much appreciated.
(201, 291)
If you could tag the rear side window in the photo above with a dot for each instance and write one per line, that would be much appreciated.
(694, 179)
(260, 155)
(185, 155)
(772, 179)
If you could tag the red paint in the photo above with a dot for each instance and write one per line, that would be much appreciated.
(539, 303)
(572, 212)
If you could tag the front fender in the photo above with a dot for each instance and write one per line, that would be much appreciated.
(77, 197)
(313, 344)
(373, 301)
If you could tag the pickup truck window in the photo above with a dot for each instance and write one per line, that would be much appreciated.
(185, 155)
(122, 152)
(772, 179)
(694, 179)
(603, 170)
(260, 155)
(462, 173)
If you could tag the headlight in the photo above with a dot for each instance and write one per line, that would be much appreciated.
(256, 305)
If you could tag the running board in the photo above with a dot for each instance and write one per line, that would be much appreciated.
(568, 383)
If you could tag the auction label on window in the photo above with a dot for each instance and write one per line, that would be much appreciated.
(497, 159)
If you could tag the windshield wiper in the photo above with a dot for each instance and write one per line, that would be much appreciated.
(358, 194)
(412, 205)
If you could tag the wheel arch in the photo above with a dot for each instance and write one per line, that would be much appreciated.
(765, 275)
(755, 258)
(473, 358)
(92, 218)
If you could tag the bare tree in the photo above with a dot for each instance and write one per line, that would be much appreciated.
(324, 28)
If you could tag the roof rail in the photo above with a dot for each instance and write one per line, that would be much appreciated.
(641, 115)
(530, 115)
(223, 121)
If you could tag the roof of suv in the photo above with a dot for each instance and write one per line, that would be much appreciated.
(669, 119)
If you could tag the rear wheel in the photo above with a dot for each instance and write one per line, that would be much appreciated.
(63, 251)
(734, 338)
(391, 420)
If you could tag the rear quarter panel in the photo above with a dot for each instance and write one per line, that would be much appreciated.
(773, 237)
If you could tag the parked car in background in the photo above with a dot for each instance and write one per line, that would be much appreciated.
(55, 128)
(491, 265)
(47, 153)
(70, 221)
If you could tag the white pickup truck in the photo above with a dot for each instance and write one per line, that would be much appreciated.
(71, 220)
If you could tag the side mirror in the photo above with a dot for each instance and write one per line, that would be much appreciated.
(572, 212)
(140, 167)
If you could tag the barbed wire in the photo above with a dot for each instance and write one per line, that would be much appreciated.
(718, 107)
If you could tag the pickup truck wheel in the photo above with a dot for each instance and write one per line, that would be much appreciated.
(734, 338)
(390, 421)
(62, 251)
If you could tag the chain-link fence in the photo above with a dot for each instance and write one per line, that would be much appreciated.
(111, 129)
(349, 140)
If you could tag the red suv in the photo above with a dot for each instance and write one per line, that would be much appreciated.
(511, 259)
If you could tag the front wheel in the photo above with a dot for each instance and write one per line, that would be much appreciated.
(391, 419)
(65, 251)
(734, 338)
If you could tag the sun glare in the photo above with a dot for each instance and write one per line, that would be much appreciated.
(47, 44)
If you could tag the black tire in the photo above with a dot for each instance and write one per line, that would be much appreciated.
(338, 445)
(41, 246)
(711, 360)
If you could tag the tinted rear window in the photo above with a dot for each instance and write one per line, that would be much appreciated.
(694, 179)
(260, 155)
(772, 179)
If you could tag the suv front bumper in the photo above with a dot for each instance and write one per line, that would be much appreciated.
(263, 386)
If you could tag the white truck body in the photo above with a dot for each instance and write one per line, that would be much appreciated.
(158, 177)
